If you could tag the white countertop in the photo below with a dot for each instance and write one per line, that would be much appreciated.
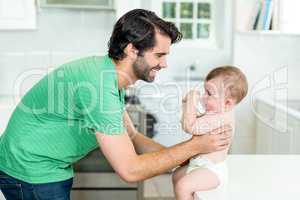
(263, 177)
(252, 177)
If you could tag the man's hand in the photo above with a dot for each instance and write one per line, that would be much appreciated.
(217, 140)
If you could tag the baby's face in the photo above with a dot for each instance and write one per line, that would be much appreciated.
(214, 98)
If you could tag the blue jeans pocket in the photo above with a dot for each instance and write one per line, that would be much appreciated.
(54, 191)
(12, 191)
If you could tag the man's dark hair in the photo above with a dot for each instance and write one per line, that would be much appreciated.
(138, 27)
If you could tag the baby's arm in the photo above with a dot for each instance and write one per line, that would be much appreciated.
(195, 125)
(189, 111)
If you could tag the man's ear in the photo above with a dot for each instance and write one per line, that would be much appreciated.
(131, 51)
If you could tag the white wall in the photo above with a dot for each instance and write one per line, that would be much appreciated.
(61, 35)
(7, 106)
(64, 34)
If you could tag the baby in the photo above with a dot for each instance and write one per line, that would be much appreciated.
(224, 87)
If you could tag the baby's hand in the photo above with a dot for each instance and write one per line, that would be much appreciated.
(189, 109)
(191, 95)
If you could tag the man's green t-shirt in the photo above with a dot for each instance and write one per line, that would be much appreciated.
(55, 123)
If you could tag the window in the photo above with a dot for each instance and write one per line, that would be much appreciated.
(194, 18)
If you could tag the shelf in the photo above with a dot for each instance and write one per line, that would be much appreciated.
(267, 33)
(285, 15)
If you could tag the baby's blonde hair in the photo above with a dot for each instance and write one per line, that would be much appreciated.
(235, 81)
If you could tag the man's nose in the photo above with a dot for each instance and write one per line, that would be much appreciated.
(163, 63)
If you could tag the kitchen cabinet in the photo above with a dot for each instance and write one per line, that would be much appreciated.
(282, 141)
(296, 136)
(86, 4)
(277, 132)
(17, 14)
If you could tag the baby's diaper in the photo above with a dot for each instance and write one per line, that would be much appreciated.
(220, 169)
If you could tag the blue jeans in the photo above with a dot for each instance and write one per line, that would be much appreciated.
(14, 189)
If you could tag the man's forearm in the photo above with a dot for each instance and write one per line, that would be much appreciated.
(154, 163)
(143, 144)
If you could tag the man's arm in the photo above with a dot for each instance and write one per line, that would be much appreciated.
(142, 144)
(120, 152)
(210, 121)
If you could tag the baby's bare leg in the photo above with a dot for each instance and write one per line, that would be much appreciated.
(197, 180)
(178, 174)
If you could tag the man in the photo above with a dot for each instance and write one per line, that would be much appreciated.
(80, 106)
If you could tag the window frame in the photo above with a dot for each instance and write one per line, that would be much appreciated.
(209, 42)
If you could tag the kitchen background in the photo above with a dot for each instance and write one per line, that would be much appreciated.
(56, 35)
(38, 36)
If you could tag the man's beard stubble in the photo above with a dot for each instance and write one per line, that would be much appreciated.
(142, 69)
